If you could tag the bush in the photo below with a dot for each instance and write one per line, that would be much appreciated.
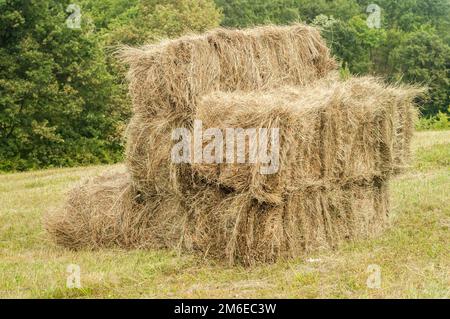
(438, 122)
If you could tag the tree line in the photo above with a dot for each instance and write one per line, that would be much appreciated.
(63, 97)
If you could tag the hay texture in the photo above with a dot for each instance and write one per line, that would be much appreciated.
(340, 141)
(238, 229)
(331, 132)
(168, 80)
(105, 212)
(100, 212)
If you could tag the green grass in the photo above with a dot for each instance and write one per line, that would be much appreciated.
(413, 254)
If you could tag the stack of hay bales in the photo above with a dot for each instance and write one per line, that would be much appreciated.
(340, 141)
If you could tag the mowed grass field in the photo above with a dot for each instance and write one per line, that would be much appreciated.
(413, 254)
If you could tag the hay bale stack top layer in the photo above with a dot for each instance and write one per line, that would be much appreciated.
(172, 75)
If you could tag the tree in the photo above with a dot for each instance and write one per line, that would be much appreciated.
(62, 96)
(423, 57)
(353, 42)
(57, 102)
(244, 13)
(409, 15)
(136, 22)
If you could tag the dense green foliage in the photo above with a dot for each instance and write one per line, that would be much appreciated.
(439, 122)
(139, 21)
(63, 100)
(62, 95)
(57, 101)
(412, 45)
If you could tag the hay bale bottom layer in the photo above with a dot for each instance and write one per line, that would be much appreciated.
(105, 212)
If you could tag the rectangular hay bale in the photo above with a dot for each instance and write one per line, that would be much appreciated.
(174, 74)
(238, 229)
(331, 131)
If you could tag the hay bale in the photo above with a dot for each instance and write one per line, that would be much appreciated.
(88, 216)
(174, 74)
(340, 140)
(168, 79)
(106, 211)
(148, 154)
(236, 228)
(405, 116)
(330, 132)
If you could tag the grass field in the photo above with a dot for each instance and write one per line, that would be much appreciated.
(413, 255)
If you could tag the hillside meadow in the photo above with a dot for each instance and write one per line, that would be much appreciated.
(413, 254)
